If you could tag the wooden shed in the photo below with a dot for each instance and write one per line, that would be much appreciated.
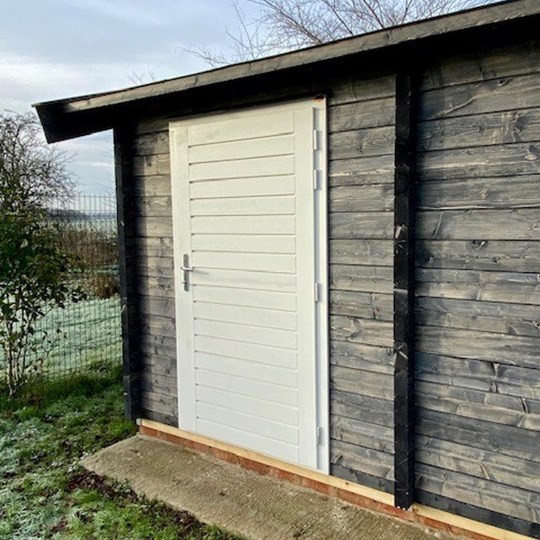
(331, 264)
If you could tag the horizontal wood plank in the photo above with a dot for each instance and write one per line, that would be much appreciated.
(354, 88)
(509, 440)
(475, 462)
(487, 375)
(505, 255)
(500, 317)
(362, 434)
(476, 404)
(361, 115)
(500, 94)
(364, 408)
(361, 304)
(370, 279)
(508, 160)
(515, 126)
(490, 193)
(502, 348)
(365, 225)
(358, 458)
(361, 143)
(361, 171)
(369, 198)
(511, 287)
(480, 225)
(364, 331)
(367, 383)
(478, 65)
(362, 252)
(361, 356)
(505, 499)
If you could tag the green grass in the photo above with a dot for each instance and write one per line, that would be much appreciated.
(45, 493)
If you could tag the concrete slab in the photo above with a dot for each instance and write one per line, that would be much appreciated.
(240, 501)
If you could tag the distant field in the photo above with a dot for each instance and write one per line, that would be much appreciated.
(92, 335)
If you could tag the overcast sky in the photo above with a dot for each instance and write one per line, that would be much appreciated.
(53, 49)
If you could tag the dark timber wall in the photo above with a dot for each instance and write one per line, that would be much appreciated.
(155, 267)
(361, 183)
(478, 287)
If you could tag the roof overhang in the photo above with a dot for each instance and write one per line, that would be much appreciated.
(68, 118)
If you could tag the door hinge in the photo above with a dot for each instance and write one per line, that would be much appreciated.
(316, 180)
(318, 292)
(315, 139)
(320, 434)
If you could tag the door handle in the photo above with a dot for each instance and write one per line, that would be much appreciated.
(186, 269)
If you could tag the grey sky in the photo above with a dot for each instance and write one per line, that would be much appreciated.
(52, 49)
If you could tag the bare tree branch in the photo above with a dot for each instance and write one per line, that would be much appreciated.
(285, 25)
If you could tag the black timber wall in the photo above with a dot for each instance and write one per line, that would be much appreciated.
(478, 255)
(361, 194)
(478, 287)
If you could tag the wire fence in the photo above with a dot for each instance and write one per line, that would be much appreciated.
(87, 332)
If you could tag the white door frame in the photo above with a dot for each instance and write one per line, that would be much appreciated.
(312, 193)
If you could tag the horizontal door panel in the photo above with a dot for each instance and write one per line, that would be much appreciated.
(246, 387)
(244, 243)
(266, 166)
(248, 423)
(243, 206)
(243, 187)
(247, 351)
(257, 406)
(245, 297)
(273, 146)
(250, 334)
(284, 264)
(245, 280)
(278, 123)
(244, 225)
(241, 438)
(265, 318)
(245, 368)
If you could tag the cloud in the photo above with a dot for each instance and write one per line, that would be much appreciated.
(130, 11)
(51, 49)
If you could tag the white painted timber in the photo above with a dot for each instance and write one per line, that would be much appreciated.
(242, 206)
(272, 262)
(244, 244)
(243, 187)
(245, 297)
(248, 351)
(251, 323)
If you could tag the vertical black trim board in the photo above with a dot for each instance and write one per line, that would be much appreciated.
(404, 270)
(126, 223)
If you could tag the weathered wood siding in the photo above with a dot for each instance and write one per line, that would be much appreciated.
(361, 194)
(155, 265)
(478, 289)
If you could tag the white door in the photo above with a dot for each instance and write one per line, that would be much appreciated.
(249, 218)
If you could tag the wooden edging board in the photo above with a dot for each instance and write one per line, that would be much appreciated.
(357, 494)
